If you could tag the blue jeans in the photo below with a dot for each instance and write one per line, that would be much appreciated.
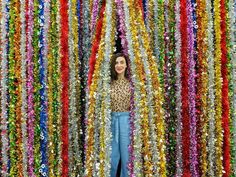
(120, 141)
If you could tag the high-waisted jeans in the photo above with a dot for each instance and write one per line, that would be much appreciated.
(120, 141)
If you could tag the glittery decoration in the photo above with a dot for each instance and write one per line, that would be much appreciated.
(185, 89)
(18, 88)
(232, 51)
(124, 43)
(43, 97)
(36, 84)
(75, 154)
(136, 160)
(211, 91)
(179, 160)
(159, 41)
(30, 88)
(225, 97)
(4, 91)
(169, 93)
(218, 89)
(54, 91)
(94, 15)
(91, 137)
(64, 78)
(12, 85)
(137, 123)
(24, 89)
(105, 118)
(202, 87)
(192, 90)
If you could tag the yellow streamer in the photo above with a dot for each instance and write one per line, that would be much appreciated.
(218, 87)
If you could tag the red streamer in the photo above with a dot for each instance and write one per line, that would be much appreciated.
(184, 91)
(95, 45)
(225, 96)
(64, 78)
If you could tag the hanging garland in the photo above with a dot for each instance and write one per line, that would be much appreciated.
(37, 86)
(24, 89)
(94, 15)
(30, 87)
(12, 84)
(136, 161)
(232, 52)
(64, 78)
(169, 94)
(4, 91)
(202, 88)
(158, 101)
(211, 90)
(95, 44)
(191, 87)
(185, 90)
(225, 98)
(179, 159)
(18, 84)
(218, 87)
(124, 43)
(54, 91)
(42, 79)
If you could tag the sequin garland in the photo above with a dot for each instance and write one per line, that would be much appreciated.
(53, 91)
(232, 53)
(202, 88)
(225, 97)
(43, 95)
(211, 91)
(185, 89)
(30, 87)
(218, 87)
(179, 159)
(136, 161)
(36, 84)
(12, 85)
(64, 79)
(170, 90)
(24, 89)
(191, 85)
(4, 75)
(91, 136)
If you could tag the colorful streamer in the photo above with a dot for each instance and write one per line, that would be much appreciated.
(4, 89)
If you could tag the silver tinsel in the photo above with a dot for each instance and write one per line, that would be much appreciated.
(232, 17)
(24, 89)
(179, 160)
(211, 91)
(4, 72)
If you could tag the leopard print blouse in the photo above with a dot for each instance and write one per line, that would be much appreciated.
(120, 95)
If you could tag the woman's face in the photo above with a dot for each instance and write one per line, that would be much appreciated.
(121, 65)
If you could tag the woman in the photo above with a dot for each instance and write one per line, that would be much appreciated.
(120, 105)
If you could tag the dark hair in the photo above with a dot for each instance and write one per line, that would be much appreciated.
(113, 63)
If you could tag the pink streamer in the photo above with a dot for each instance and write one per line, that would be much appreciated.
(30, 88)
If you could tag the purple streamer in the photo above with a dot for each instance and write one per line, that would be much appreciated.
(192, 94)
(94, 15)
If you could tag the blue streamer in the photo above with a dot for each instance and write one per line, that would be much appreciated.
(43, 96)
